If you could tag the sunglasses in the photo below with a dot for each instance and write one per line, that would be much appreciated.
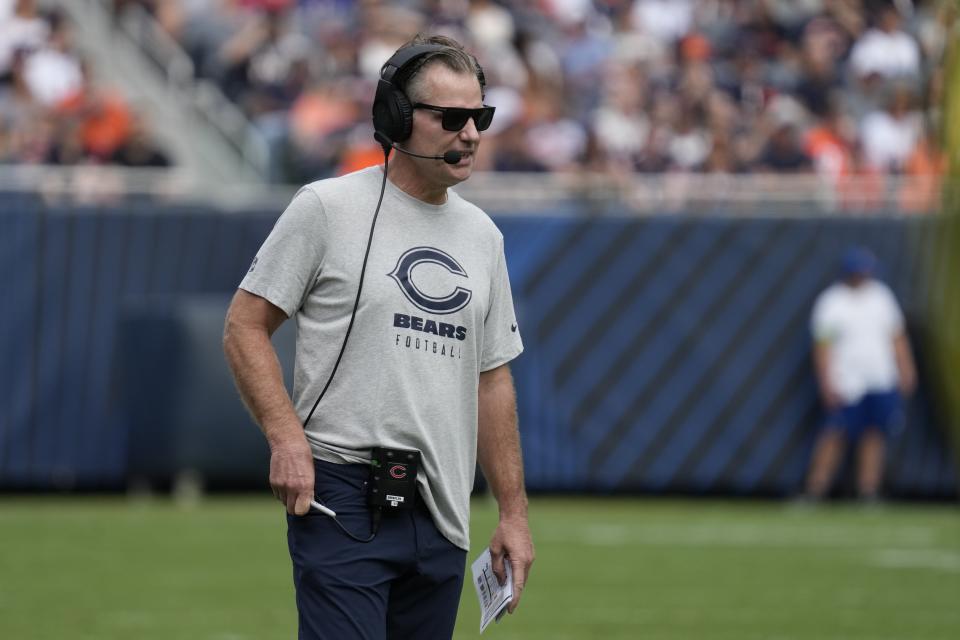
(455, 118)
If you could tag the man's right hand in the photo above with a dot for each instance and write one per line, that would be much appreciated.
(292, 475)
(830, 398)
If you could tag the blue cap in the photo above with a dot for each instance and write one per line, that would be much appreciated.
(858, 261)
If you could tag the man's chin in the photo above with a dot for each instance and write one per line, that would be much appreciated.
(460, 172)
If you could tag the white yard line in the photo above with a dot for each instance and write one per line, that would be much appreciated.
(935, 559)
(742, 535)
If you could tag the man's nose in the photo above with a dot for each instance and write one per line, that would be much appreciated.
(469, 133)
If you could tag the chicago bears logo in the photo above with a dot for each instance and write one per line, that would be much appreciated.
(403, 276)
(398, 471)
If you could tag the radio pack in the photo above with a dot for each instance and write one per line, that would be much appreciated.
(393, 478)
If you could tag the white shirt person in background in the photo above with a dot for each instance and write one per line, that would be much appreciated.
(864, 368)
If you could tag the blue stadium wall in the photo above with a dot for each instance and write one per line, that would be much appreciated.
(665, 354)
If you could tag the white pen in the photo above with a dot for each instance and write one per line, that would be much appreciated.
(322, 509)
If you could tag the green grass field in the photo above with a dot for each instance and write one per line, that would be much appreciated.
(112, 568)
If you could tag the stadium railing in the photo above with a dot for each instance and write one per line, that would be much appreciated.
(582, 193)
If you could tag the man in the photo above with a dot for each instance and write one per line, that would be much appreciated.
(423, 297)
(864, 366)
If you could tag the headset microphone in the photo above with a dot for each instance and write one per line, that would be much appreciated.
(450, 157)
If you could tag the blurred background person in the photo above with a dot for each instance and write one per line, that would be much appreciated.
(864, 368)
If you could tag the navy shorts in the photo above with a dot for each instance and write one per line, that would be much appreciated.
(879, 410)
(404, 584)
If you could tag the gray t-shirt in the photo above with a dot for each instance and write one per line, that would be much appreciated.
(436, 310)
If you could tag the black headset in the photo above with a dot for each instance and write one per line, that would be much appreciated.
(392, 110)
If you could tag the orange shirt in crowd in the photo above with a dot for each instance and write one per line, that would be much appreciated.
(356, 157)
(924, 170)
(105, 121)
(831, 155)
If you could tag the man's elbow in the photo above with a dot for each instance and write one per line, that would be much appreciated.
(237, 329)
(231, 336)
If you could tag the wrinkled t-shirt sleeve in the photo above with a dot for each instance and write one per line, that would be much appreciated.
(288, 263)
(501, 335)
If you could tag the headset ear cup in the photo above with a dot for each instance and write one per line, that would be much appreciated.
(383, 110)
(404, 116)
(393, 115)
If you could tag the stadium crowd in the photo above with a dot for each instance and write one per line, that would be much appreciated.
(834, 87)
(51, 109)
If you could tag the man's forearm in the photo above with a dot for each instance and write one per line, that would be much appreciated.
(259, 379)
(250, 322)
(498, 449)
(906, 367)
(821, 367)
(821, 358)
(498, 442)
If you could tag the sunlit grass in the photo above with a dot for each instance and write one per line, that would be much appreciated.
(105, 568)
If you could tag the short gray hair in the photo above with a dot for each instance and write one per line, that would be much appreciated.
(453, 56)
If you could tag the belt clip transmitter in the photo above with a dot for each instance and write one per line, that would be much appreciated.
(393, 478)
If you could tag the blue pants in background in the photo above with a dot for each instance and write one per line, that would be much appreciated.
(881, 410)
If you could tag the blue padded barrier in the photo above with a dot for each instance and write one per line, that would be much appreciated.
(663, 354)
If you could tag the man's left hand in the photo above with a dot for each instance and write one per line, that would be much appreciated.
(512, 543)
